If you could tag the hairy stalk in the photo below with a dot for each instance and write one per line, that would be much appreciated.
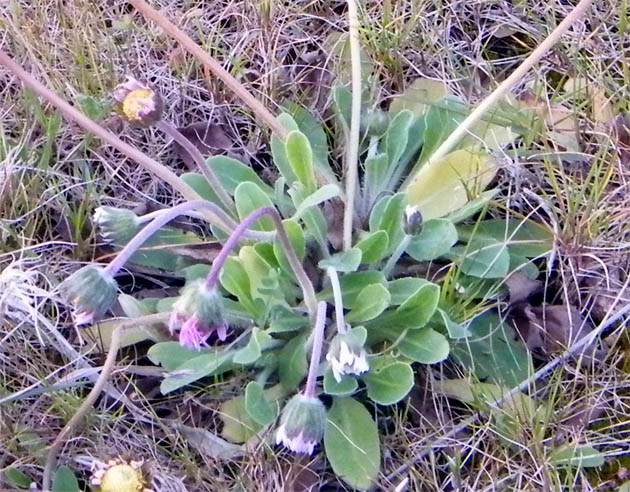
(398, 252)
(305, 283)
(352, 155)
(215, 67)
(160, 221)
(316, 353)
(91, 126)
(338, 299)
(203, 166)
(101, 381)
(504, 87)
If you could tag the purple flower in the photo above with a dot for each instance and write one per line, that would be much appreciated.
(193, 333)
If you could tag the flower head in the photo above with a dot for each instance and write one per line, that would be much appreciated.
(412, 221)
(92, 290)
(302, 424)
(141, 104)
(120, 475)
(198, 314)
(346, 353)
(117, 225)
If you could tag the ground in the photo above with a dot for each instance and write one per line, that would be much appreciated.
(53, 175)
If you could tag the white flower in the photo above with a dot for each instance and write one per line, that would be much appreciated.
(302, 424)
(347, 355)
(297, 444)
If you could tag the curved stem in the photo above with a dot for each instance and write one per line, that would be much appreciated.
(51, 459)
(316, 353)
(307, 287)
(398, 252)
(203, 166)
(338, 299)
(160, 221)
(86, 123)
(352, 155)
(239, 89)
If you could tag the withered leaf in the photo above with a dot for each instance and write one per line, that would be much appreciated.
(521, 287)
(209, 138)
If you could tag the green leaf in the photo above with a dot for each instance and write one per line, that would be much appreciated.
(576, 457)
(300, 156)
(455, 330)
(17, 478)
(258, 341)
(238, 426)
(493, 352)
(416, 310)
(387, 216)
(371, 302)
(351, 442)
(155, 251)
(284, 319)
(373, 245)
(210, 445)
(194, 369)
(445, 185)
(249, 197)
(484, 259)
(257, 406)
(342, 98)
(347, 386)
(323, 194)
(346, 261)
(235, 280)
(232, 172)
(376, 169)
(292, 364)
(312, 216)
(278, 149)
(436, 238)
(396, 139)
(419, 95)
(258, 272)
(403, 288)
(198, 182)
(170, 355)
(425, 345)
(440, 120)
(104, 330)
(353, 283)
(390, 384)
(65, 481)
(296, 238)
(525, 238)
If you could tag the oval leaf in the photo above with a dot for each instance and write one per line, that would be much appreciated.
(371, 302)
(249, 197)
(424, 345)
(437, 237)
(389, 385)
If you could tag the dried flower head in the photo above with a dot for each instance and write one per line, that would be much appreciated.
(346, 353)
(141, 104)
(92, 291)
(116, 225)
(302, 424)
(121, 475)
(197, 314)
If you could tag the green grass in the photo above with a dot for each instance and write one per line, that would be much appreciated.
(53, 176)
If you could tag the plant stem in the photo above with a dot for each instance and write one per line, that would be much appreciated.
(159, 221)
(203, 166)
(505, 86)
(338, 299)
(307, 287)
(398, 252)
(51, 459)
(215, 67)
(316, 352)
(352, 155)
(91, 126)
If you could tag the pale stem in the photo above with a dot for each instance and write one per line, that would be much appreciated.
(203, 166)
(338, 300)
(316, 352)
(159, 221)
(307, 287)
(352, 155)
(398, 252)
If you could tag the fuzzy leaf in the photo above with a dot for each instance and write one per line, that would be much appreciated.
(436, 238)
(65, 480)
(292, 363)
(347, 386)
(347, 261)
(484, 259)
(249, 197)
(425, 345)
(257, 406)
(300, 156)
(373, 245)
(390, 384)
(371, 302)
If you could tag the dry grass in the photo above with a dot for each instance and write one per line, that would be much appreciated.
(52, 176)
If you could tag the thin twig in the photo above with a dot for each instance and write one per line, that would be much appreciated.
(91, 126)
(215, 67)
(338, 299)
(583, 343)
(51, 459)
(316, 353)
(504, 87)
(352, 156)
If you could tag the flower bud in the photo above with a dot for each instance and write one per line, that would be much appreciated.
(197, 314)
(346, 353)
(92, 290)
(302, 424)
(141, 104)
(412, 221)
(117, 225)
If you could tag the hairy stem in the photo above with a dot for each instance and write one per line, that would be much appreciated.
(398, 252)
(316, 352)
(163, 218)
(307, 287)
(504, 87)
(203, 166)
(338, 299)
(352, 155)
(215, 67)
(86, 123)
(101, 381)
